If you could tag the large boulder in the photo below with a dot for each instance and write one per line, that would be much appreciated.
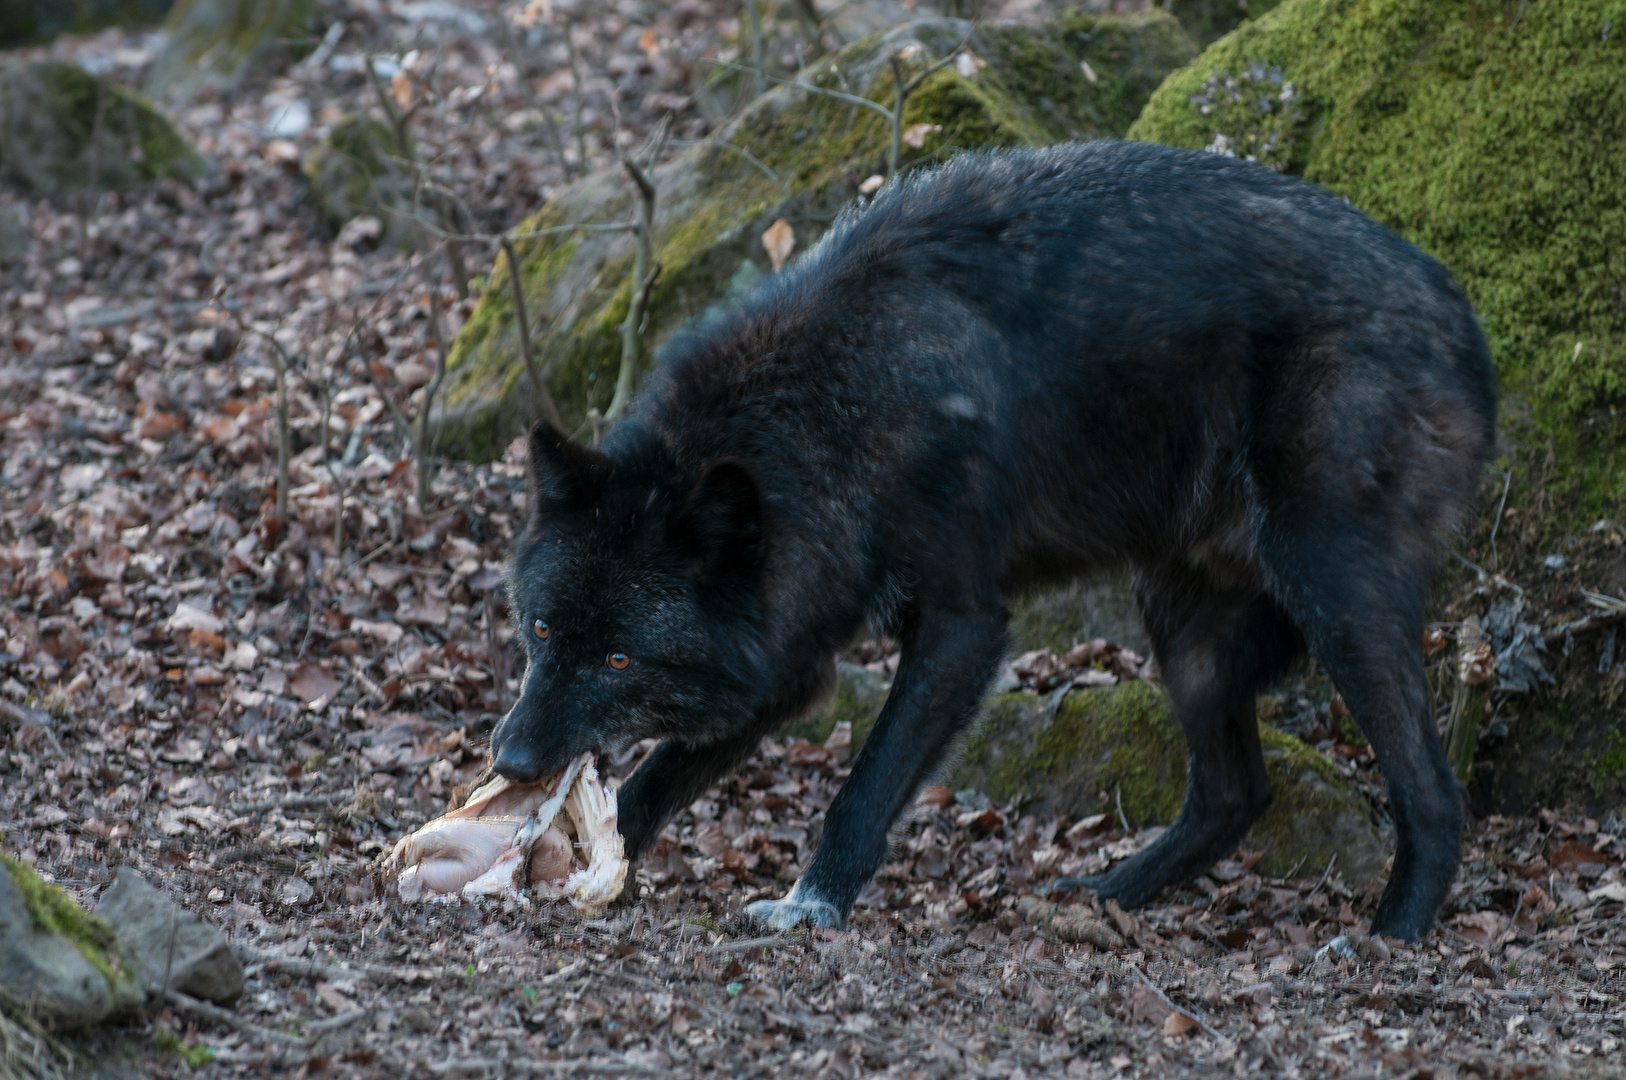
(220, 42)
(1097, 749)
(791, 154)
(62, 129)
(1494, 138)
(56, 962)
(27, 22)
(1108, 747)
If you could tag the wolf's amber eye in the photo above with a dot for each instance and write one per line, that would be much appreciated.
(619, 661)
(540, 628)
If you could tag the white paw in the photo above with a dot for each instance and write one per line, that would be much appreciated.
(795, 909)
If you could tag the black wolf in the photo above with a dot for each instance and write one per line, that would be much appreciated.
(1014, 370)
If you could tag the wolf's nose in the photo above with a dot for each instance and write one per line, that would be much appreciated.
(516, 762)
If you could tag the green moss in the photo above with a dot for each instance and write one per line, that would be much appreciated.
(196, 1057)
(1499, 149)
(54, 912)
(1060, 619)
(715, 202)
(1120, 745)
(357, 170)
(860, 693)
(62, 129)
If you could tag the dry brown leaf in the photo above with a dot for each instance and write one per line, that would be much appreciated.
(312, 680)
(1179, 1024)
(779, 240)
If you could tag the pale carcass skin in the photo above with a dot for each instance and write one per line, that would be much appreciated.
(506, 839)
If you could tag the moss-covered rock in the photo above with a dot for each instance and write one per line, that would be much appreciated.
(793, 155)
(1206, 20)
(56, 961)
(27, 22)
(860, 693)
(1076, 613)
(1111, 745)
(356, 170)
(1493, 137)
(220, 42)
(63, 129)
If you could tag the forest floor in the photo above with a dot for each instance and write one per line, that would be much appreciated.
(250, 710)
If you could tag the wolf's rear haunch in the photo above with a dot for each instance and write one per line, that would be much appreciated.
(1016, 370)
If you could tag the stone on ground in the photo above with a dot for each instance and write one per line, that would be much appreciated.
(62, 129)
(169, 942)
(358, 170)
(57, 963)
(220, 42)
(791, 154)
(1119, 745)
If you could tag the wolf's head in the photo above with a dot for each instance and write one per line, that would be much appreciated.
(636, 598)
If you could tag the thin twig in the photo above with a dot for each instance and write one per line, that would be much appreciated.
(539, 388)
(1324, 875)
(281, 362)
(424, 445)
(1193, 1017)
(1507, 481)
(642, 279)
(298, 802)
(188, 1003)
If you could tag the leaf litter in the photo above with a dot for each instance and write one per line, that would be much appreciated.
(253, 715)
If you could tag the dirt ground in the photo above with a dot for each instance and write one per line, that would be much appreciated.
(250, 709)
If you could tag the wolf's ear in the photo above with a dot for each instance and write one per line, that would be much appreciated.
(719, 527)
(564, 473)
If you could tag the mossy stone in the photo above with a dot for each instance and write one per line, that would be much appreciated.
(63, 129)
(1493, 136)
(1109, 746)
(357, 170)
(220, 42)
(791, 154)
(860, 693)
(29, 22)
(57, 960)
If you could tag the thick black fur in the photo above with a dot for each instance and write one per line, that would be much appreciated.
(1012, 371)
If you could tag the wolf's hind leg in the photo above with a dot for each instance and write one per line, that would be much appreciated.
(1215, 648)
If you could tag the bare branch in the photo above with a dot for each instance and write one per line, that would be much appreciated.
(425, 464)
(642, 279)
(539, 388)
(281, 362)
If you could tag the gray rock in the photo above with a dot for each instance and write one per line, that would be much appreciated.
(218, 42)
(55, 961)
(62, 129)
(165, 938)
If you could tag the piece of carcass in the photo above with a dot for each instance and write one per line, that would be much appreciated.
(555, 837)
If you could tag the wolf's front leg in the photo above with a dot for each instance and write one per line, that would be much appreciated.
(670, 778)
(949, 656)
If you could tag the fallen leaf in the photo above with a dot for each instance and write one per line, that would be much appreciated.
(1481, 927)
(311, 680)
(778, 241)
(915, 134)
(1574, 853)
(1179, 1024)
